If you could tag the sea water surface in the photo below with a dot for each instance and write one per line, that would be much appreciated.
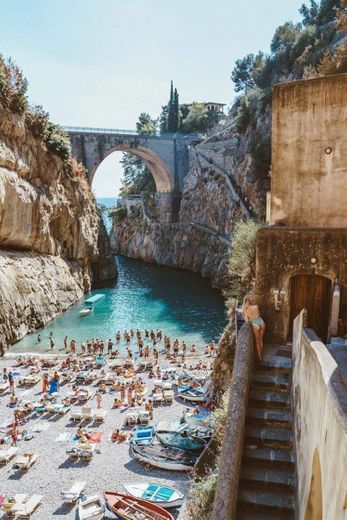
(180, 303)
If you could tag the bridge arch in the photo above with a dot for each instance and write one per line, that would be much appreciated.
(163, 179)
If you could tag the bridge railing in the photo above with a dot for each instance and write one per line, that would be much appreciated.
(91, 130)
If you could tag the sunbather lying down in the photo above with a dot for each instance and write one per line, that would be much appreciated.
(118, 436)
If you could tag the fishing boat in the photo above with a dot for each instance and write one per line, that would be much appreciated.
(163, 496)
(189, 393)
(164, 457)
(126, 507)
(143, 435)
(91, 507)
(89, 304)
(183, 440)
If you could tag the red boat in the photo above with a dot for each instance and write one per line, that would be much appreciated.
(126, 507)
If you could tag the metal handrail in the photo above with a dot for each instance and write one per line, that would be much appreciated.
(91, 130)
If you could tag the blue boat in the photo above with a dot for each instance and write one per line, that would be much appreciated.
(164, 496)
(143, 435)
(89, 304)
(182, 440)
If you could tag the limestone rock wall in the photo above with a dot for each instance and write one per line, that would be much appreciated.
(50, 245)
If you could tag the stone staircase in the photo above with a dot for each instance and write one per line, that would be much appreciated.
(266, 486)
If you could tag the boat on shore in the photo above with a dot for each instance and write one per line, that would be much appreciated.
(127, 507)
(164, 457)
(163, 496)
(183, 440)
(91, 507)
(143, 435)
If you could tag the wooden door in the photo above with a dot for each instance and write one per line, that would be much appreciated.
(313, 293)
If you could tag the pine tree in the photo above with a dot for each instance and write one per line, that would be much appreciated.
(176, 110)
(171, 115)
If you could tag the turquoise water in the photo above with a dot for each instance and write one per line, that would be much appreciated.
(180, 303)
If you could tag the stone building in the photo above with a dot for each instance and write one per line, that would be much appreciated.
(302, 254)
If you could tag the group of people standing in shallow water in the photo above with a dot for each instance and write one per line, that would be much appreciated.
(147, 345)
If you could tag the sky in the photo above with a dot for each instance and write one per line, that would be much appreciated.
(100, 63)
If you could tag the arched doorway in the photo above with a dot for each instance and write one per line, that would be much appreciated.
(314, 505)
(313, 293)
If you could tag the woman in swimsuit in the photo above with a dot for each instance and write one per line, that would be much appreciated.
(251, 314)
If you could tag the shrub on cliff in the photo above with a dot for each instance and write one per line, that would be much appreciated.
(55, 139)
(13, 87)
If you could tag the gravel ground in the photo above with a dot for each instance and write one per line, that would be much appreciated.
(53, 472)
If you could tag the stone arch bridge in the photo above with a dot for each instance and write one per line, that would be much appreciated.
(166, 155)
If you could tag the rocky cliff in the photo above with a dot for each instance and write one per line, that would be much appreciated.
(199, 241)
(51, 250)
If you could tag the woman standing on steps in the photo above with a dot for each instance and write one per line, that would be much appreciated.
(251, 314)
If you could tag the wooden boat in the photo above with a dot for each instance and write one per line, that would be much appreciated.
(143, 435)
(126, 507)
(91, 507)
(163, 496)
(183, 440)
(164, 457)
(189, 393)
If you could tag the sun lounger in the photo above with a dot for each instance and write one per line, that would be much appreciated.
(76, 414)
(24, 462)
(131, 419)
(100, 415)
(74, 492)
(62, 410)
(12, 508)
(144, 418)
(6, 455)
(28, 507)
(157, 398)
(87, 413)
(168, 396)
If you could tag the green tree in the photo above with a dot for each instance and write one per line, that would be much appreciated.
(172, 119)
(242, 75)
(163, 118)
(309, 13)
(284, 37)
(146, 125)
(199, 119)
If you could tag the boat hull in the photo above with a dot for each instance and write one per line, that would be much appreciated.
(138, 490)
(116, 502)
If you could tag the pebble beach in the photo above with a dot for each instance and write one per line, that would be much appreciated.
(111, 465)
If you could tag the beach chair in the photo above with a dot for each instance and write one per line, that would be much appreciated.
(131, 419)
(99, 415)
(86, 454)
(24, 462)
(74, 454)
(76, 414)
(63, 410)
(6, 455)
(14, 506)
(51, 409)
(168, 396)
(157, 399)
(144, 418)
(29, 507)
(87, 414)
(74, 492)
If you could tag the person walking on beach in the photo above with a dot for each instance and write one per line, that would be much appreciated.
(109, 346)
(98, 399)
(45, 381)
(11, 381)
(65, 343)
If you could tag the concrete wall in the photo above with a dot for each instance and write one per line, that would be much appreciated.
(320, 405)
(309, 153)
(284, 252)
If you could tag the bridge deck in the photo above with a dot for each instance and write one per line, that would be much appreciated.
(119, 131)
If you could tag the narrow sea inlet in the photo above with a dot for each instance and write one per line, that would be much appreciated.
(180, 303)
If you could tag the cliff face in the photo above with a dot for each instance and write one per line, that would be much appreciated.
(49, 232)
(201, 238)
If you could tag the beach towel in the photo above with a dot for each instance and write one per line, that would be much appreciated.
(94, 437)
(64, 437)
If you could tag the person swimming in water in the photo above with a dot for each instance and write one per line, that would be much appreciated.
(251, 314)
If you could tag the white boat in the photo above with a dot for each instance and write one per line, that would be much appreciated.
(91, 507)
(164, 496)
(86, 311)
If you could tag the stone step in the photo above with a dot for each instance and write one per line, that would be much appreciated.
(268, 457)
(243, 514)
(277, 383)
(267, 500)
(275, 365)
(268, 478)
(268, 437)
(269, 417)
(269, 399)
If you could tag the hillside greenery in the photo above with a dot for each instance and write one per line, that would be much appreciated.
(13, 96)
